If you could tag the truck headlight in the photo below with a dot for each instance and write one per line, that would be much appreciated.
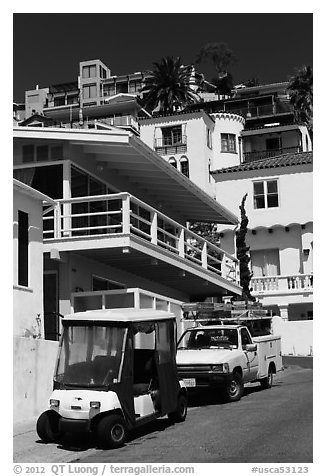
(221, 368)
(54, 403)
(95, 404)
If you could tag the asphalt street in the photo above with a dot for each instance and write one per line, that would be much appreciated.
(271, 426)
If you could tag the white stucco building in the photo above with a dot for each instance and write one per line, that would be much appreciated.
(280, 236)
(195, 142)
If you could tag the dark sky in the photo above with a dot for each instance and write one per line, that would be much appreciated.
(47, 47)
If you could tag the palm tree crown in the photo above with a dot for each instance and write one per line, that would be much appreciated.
(301, 96)
(169, 86)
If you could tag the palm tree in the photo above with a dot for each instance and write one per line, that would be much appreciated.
(301, 96)
(169, 86)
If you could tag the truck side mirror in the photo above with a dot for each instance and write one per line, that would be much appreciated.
(251, 347)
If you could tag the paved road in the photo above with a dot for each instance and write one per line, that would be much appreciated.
(271, 426)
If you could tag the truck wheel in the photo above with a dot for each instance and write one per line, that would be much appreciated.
(47, 427)
(180, 413)
(234, 389)
(111, 432)
(267, 382)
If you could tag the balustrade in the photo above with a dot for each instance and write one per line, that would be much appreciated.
(123, 213)
(291, 283)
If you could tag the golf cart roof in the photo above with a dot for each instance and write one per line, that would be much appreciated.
(120, 315)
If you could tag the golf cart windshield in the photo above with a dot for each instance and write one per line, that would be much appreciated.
(208, 339)
(90, 356)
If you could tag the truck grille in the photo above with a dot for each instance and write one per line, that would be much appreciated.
(193, 368)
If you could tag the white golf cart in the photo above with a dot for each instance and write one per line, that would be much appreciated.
(116, 370)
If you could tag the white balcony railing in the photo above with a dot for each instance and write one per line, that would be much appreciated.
(122, 213)
(290, 284)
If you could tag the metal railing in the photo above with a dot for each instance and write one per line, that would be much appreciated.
(171, 145)
(291, 284)
(122, 213)
(265, 154)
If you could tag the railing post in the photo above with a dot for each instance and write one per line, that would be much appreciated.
(181, 243)
(204, 255)
(126, 214)
(224, 267)
(57, 221)
(154, 228)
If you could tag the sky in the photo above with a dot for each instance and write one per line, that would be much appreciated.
(47, 47)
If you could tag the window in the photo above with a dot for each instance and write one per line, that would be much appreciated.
(209, 138)
(266, 194)
(265, 262)
(172, 135)
(42, 153)
(89, 91)
(273, 143)
(228, 143)
(28, 153)
(102, 72)
(184, 166)
(245, 338)
(173, 162)
(59, 101)
(89, 71)
(22, 248)
(122, 87)
(72, 99)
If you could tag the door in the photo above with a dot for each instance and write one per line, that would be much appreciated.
(51, 305)
(251, 371)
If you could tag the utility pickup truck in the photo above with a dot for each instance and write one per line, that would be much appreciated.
(225, 357)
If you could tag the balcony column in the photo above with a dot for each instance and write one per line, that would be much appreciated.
(284, 312)
(204, 256)
(66, 194)
(126, 215)
(154, 228)
(181, 243)
(57, 221)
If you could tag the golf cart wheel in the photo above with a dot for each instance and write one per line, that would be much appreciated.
(111, 432)
(47, 427)
(267, 382)
(234, 389)
(180, 413)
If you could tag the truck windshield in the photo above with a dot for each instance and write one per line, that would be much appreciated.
(209, 339)
(90, 356)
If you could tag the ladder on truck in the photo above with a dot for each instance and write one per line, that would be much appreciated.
(251, 315)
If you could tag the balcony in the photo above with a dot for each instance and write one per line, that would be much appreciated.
(126, 122)
(129, 226)
(266, 154)
(276, 285)
(170, 145)
(251, 111)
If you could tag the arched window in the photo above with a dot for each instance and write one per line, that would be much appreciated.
(173, 162)
(184, 166)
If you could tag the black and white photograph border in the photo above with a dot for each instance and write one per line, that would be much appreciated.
(197, 204)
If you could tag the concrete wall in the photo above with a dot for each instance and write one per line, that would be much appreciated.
(297, 336)
(28, 300)
(33, 367)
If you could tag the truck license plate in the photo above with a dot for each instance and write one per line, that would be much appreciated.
(190, 382)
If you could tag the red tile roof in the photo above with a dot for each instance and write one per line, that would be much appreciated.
(284, 160)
